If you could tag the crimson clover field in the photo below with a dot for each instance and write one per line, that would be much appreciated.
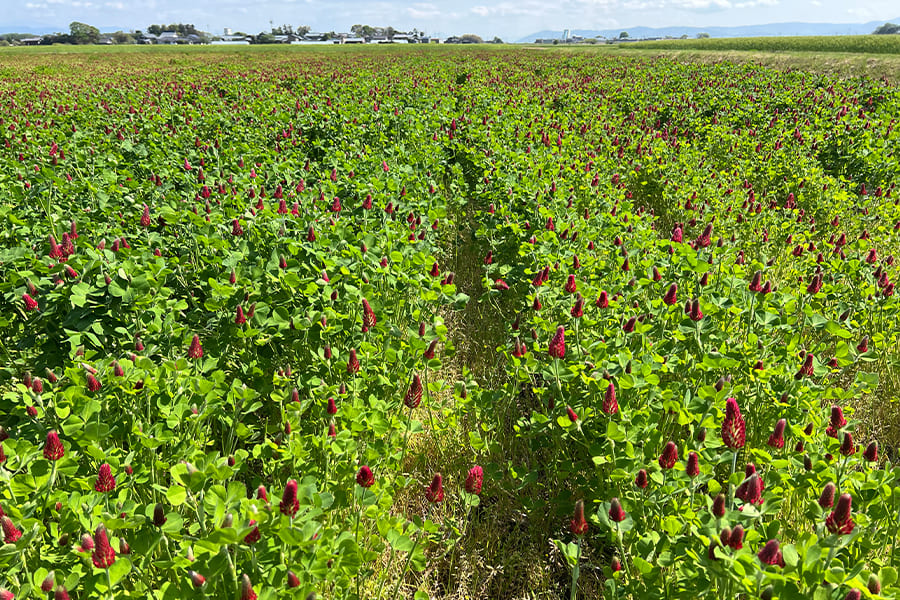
(445, 323)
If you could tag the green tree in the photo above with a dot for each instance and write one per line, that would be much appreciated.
(82, 33)
(364, 31)
(121, 37)
(702, 36)
(496, 40)
(471, 38)
(155, 29)
(623, 35)
(887, 29)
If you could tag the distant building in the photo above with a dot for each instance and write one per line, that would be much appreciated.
(228, 31)
(32, 41)
(167, 37)
(230, 38)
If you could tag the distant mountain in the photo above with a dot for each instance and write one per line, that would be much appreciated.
(770, 29)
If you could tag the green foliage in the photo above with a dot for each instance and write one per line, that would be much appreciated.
(887, 29)
(304, 209)
(867, 44)
(82, 33)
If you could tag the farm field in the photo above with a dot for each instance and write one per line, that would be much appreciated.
(865, 44)
(445, 323)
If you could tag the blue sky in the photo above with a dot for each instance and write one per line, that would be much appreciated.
(509, 19)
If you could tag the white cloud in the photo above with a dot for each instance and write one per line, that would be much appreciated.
(529, 8)
(421, 10)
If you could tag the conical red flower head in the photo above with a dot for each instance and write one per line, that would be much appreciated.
(837, 421)
(610, 404)
(369, 318)
(776, 440)
(254, 535)
(671, 296)
(103, 556)
(750, 490)
(292, 580)
(571, 286)
(365, 477)
(145, 218)
(602, 300)
(159, 515)
(669, 456)
(677, 235)
(429, 352)
(770, 554)
(733, 427)
(195, 350)
(414, 394)
(847, 445)
(435, 492)
(573, 416)
(692, 468)
(239, 317)
(197, 580)
(93, 384)
(826, 499)
(289, 503)
(87, 543)
(105, 480)
(53, 448)
(755, 282)
(578, 309)
(579, 524)
(718, 507)
(871, 452)
(30, 303)
(11, 533)
(557, 347)
(725, 536)
(352, 362)
(616, 512)
(841, 520)
(247, 592)
(736, 539)
(61, 593)
(474, 480)
(806, 370)
(863, 345)
(640, 480)
(696, 314)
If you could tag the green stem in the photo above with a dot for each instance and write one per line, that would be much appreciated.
(50, 485)
(733, 466)
(109, 582)
(576, 571)
(405, 569)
